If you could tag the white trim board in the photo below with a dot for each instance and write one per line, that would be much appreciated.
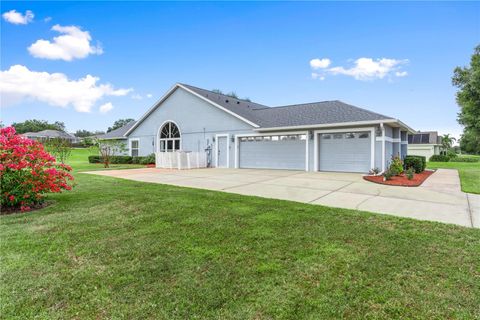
(280, 133)
(226, 135)
(388, 139)
(316, 133)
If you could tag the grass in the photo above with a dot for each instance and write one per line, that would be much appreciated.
(79, 161)
(115, 248)
(469, 173)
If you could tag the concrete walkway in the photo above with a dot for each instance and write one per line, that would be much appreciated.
(438, 199)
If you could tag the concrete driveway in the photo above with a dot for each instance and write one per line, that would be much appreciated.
(438, 199)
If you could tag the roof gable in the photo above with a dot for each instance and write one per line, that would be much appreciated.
(230, 107)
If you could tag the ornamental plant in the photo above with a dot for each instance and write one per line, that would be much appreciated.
(396, 166)
(28, 172)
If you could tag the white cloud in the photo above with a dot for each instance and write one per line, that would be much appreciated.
(317, 76)
(363, 69)
(137, 96)
(320, 63)
(47, 19)
(104, 108)
(19, 83)
(15, 17)
(72, 44)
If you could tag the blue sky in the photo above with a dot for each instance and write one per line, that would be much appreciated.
(260, 50)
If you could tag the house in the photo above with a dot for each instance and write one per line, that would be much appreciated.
(46, 135)
(119, 135)
(425, 144)
(236, 133)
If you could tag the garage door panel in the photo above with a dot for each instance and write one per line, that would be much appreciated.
(339, 153)
(281, 154)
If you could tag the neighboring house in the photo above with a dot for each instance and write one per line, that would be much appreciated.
(424, 144)
(46, 135)
(320, 136)
(119, 135)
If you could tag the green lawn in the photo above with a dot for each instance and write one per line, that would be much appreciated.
(119, 249)
(79, 161)
(469, 173)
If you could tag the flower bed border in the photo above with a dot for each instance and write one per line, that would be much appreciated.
(401, 181)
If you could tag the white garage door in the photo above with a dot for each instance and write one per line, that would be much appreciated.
(273, 152)
(346, 151)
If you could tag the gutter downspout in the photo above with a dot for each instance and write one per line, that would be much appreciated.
(383, 146)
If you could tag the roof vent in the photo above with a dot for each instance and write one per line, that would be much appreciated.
(226, 101)
(238, 102)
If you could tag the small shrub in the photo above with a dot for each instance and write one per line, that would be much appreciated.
(418, 163)
(388, 175)
(396, 166)
(439, 158)
(113, 159)
(465, 159)
(121, 160)
(410, 173)
(27, 172)
(374, 171)
(452, 154)
(150, 159)
(94, 159)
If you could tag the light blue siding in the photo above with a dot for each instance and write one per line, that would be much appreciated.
(197, 120)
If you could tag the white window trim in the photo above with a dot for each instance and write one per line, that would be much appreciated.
(272, 134)
(388, 139)
(316, 134)
(228, 148)
(130, 145)
(157, 139)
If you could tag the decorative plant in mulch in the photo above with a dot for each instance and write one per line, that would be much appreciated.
(27, 173)
(395, 175)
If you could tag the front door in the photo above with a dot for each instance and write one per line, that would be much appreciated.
(222, 152)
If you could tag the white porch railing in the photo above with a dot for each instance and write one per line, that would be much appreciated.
(181, 160)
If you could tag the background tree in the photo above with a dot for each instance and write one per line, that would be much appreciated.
(35, 125)
(119, 123)
(447, 142)
(108, 149)
(83, 133)
(59, 148)
(467, 79)
(470, 142)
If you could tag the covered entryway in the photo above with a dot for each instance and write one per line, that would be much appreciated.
(286, 151)
(345, 151)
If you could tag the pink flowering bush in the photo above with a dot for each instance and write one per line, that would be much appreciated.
(27, 172)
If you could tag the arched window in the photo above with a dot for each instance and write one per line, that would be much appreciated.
(169, 137)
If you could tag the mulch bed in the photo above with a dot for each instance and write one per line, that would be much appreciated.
(402, 180)
(150, 165)
(10, 210)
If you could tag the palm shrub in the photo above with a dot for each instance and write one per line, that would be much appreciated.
(410, 173)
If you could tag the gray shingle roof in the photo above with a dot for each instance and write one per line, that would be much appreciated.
(117, 133)
(50, 134)
(292, 115)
